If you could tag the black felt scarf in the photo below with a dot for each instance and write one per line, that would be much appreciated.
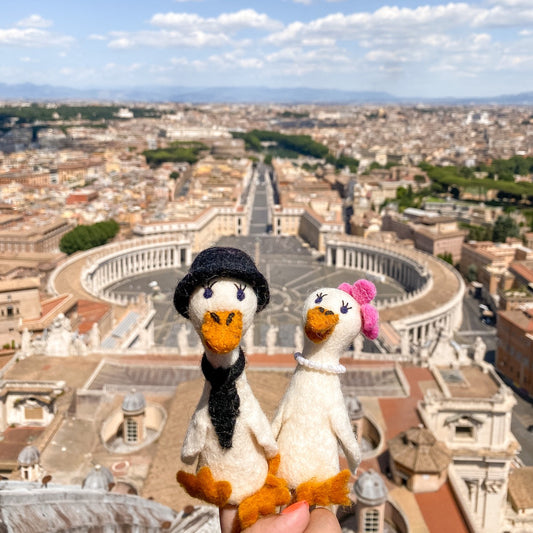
(224, 401)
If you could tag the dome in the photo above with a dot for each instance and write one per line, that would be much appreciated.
(99, 478)
(29, 456)
(419, 451)
(134, 402)
(370, 488)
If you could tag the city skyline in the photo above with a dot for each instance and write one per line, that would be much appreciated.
(406, 48)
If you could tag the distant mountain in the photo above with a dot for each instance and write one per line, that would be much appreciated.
(28, 91)
(195, 95)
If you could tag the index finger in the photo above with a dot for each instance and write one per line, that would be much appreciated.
(323, 521)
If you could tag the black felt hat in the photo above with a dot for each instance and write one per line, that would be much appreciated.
(220, 262)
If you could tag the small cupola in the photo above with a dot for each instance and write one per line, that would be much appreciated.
(29, 461)
(99, 478)
(133, 409)
(371, 494)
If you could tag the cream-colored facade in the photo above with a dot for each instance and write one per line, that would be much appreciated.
(471, 413)
(19, 298)
(34, 235)
(489, 261)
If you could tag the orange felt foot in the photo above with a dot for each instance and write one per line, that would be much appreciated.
(265, 501)
(204, 487)
(333, 491)
(273, 464)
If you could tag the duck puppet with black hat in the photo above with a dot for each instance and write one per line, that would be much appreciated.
(228, 434)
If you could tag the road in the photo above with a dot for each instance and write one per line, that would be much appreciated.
(259, 218)
(473, 327)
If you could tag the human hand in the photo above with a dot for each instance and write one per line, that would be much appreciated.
(294, 519)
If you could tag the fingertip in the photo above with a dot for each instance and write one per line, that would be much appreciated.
(296, 507)
(294, 518)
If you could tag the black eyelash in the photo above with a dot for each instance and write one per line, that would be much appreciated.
(319, 297)
(240, 292)
(344, 308)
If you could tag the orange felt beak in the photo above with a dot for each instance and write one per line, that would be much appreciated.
(320, 324)
(222, 330)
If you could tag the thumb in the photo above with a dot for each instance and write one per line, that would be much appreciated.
(294, 518)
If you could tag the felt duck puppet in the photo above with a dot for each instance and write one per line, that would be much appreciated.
(312, 418)
(229, 435)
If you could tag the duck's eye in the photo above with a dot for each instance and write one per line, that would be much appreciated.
(240, 292)
(319, 297)
(208, 292)
(344, 308)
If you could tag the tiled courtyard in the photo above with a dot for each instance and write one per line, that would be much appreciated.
(292, 270)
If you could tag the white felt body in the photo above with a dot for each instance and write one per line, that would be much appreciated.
(244, 465)
(312, 420)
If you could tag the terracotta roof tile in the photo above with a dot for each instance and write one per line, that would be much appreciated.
(441, 511)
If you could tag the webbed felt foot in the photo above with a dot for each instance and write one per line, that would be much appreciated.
(265, 501)
(333, 491)
(203, 486)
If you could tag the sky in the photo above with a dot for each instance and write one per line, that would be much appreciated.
(408, 48)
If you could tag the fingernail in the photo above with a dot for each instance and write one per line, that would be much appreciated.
(295, 507)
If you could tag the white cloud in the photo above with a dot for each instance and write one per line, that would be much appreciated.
(394, 24)
(304, 2)
(32, 38)
(506, 14)
(34, 21)
(235, 59)
(167, 39)
(193, 31)
(225, 22)
(97, 37)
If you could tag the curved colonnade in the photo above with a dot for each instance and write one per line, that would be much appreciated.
(430, 309)
(115, 262)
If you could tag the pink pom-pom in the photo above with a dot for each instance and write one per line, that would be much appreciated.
(346, 287)
(370, 320)
(363, 291)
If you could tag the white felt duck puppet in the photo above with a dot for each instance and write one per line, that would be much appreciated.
(312, 418)
(228, 434)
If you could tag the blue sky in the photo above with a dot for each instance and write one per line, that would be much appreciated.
(407, 48)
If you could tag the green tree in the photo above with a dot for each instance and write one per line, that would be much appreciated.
(446, 256)
(84, 237)
(504, 227)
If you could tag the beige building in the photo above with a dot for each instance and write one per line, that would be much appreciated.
(471, 413)
(514, 354)
(489, 261)
(33, 234)
(76, 172)
(430, 233)
(19, 298)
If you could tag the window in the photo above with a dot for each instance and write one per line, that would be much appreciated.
(131, 430)
(371, 523)
(464, 432)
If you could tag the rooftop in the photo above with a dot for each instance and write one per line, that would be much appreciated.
(470, 382)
